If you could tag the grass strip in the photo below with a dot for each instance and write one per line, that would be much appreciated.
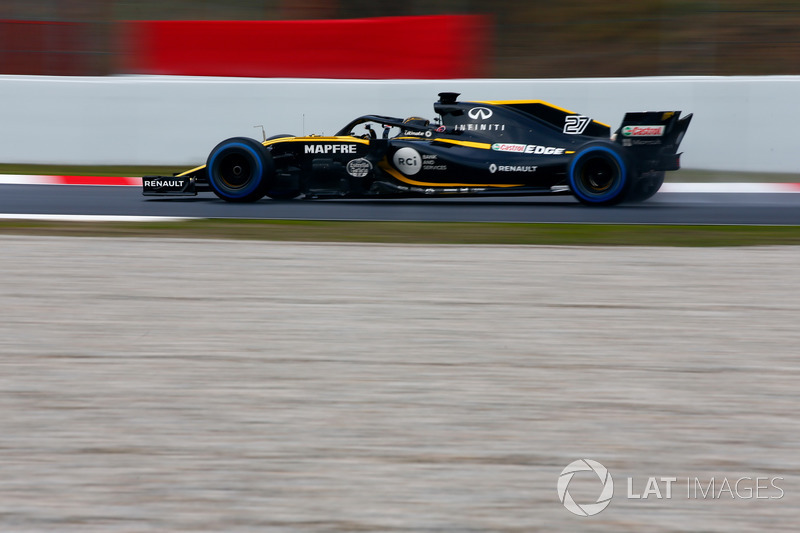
(421, 232)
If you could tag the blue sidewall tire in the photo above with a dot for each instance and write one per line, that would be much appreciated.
(251, 191)
(616, 193)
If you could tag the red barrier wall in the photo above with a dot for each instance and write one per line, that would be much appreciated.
(448, 46)
(45, 47)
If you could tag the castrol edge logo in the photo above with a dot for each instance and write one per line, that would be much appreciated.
(643, 131)
(527, 149)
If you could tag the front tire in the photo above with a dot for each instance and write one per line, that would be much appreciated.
(599, 175)
(239, 170)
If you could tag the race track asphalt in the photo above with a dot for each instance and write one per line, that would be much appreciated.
(664, 208)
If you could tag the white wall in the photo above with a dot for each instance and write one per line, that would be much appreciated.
(741, 123)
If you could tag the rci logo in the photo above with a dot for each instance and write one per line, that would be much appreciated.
(479, 113)
(407, 160)
(586, 509)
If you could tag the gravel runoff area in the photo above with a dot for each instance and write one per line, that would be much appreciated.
(177, 385)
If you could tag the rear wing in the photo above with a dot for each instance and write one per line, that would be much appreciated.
(654, 138)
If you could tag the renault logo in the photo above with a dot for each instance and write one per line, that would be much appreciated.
(479, 113)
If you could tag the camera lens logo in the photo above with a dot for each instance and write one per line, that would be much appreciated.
(586, 509)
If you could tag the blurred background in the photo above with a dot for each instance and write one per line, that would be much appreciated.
(500, 39)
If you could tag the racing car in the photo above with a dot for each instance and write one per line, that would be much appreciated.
(482, 148)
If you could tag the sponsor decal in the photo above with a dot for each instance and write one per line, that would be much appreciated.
(501, 147)
(441, 129)
(479, 113)
(359, 168)
(528, 149)
(479, 127)
(407, 160)
(576, 124)
(643, 131)
(511, 168)
(330, 148)
(164, 183)
(430, 162)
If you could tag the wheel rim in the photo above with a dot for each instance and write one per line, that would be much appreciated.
(598, 175)
(235, 171)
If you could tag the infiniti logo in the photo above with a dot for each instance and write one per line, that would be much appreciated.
(479, 113)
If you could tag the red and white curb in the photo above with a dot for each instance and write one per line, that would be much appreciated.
(20, 179)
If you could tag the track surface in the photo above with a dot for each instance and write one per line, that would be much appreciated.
(168, 385)
(664, 208)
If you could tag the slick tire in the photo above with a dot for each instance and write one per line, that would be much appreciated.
(599, 174)
(239, 170)
(648, 184)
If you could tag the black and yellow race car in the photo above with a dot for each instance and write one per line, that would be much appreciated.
(524, 147)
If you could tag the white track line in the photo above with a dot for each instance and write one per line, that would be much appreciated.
(92, 218)
(14, 179)
(731, 187)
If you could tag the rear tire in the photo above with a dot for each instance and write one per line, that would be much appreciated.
(599, 174)
(239, 170)
(649, 183)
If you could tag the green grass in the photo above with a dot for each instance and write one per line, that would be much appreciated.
(423, 232)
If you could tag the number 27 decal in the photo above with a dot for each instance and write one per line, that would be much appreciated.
(575, 124)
